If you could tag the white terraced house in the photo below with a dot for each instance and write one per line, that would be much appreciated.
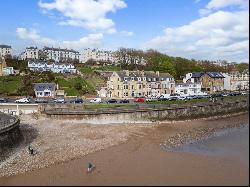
(30, 53)
(5, 50)
(188, 89)
(54, 67)
(59, 55)
(98, 55)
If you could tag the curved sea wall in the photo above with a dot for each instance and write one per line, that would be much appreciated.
(149, 115)
(10, 135)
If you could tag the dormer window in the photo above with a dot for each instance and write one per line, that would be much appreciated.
(132, 78)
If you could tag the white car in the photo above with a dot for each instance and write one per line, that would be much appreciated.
(151, 99)
(96, 100)
(182, 97)
(59, 100)
(23, 100)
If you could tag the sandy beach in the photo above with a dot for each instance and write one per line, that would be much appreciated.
(125, 154)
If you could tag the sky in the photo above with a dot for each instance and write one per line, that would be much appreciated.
(199, 29)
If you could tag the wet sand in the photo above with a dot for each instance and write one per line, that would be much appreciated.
(141, 161)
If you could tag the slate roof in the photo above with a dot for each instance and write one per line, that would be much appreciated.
(44, 86)
(5, 46)
(215, 75)
(148, 74)
(197, 74)
(57, 49)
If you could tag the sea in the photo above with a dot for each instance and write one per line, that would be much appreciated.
(229, 143)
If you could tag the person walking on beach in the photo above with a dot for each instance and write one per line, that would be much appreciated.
(90, 167)
(31, 151)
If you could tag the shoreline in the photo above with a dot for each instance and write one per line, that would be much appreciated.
(150, 135)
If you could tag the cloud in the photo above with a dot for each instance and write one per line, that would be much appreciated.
(92, 40)
(127, 33)
(214, 5)
(220, 35)
(219, 4)
(33, 35)
(90, 14)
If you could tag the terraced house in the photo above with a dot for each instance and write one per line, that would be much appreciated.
(41, 66)
(126, 84)
(211, 81)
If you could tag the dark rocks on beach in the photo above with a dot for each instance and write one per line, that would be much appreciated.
(195, 135)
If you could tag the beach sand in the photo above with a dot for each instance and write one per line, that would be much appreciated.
(134, 159)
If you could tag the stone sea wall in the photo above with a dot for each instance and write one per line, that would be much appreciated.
(144, 115)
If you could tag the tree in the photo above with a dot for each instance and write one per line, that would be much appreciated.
(78, 86)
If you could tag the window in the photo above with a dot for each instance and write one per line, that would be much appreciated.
(132, 87)
(132, 78)
(139, 78)
(118, 87)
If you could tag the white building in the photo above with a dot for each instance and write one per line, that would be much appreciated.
(8, 71)
(30, 53)
(187, 89)
(59, 55)
(98, 55)
(54, 67)
(227, 81)
(5, 50)
(236, 81)
(45, 89)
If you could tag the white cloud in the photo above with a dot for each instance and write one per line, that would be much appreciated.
(33, 35)
(214, 5)
(218, 4)
(92, 40)
(220, 35)
(127, 33)
(90, 14)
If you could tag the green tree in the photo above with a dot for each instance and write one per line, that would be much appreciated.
(78, 86)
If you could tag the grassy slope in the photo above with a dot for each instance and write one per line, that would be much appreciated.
(10, 84)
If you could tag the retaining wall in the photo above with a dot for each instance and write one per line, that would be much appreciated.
(148, 114)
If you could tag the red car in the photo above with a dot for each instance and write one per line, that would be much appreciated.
(139, 100)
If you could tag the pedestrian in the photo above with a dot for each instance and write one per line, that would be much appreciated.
(90, 167)
(31, 151)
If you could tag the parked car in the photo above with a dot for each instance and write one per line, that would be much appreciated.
(164, 97)
(139, 99)
(173, 98)
(22, 100)
(182, 98)
(77, 101)
(244, 93)
(40, 100)
(59, 100)
(124, 101)
(151, 99)
(3, 100)
(96, 100)
(190, 97)
(112, 101)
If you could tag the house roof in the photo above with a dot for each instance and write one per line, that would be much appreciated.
(58, 49)
(215, 75)
(5, 46)
(44, 86)
(140, 74)
(197, 74)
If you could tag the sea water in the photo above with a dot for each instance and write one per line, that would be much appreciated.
(229, 143)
